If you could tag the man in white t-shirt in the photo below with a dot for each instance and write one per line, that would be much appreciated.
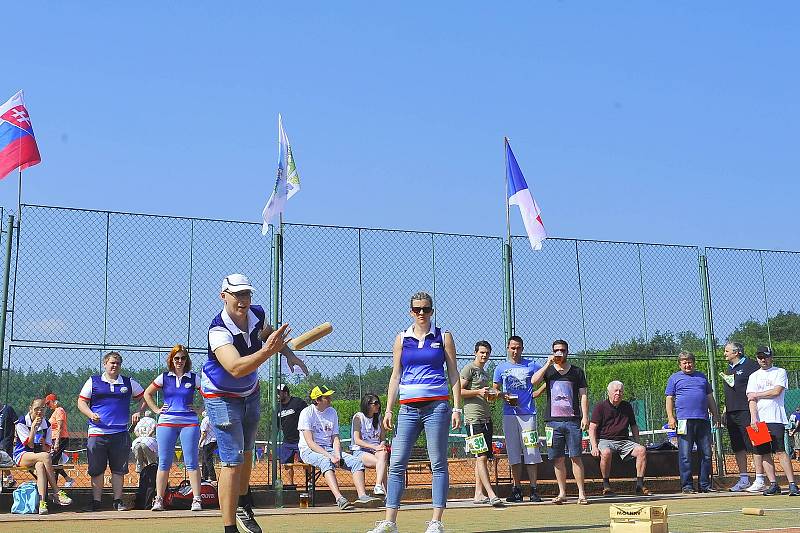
(320, 446)
(765, 391)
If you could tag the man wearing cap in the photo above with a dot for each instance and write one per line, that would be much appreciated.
(58, 425)
(737, 415)
(765, 391)
(288, 417)
(320, 446)
(237, 347)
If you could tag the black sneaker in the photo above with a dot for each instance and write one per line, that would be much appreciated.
(773, 490)
(91, 507)
(708, 489)
(793, 490)
(687, 490)
(246, 520)
(516, 495)
(119, 506)
(535, 497)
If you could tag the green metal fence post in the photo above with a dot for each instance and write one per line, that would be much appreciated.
(712, 371)
(277, 259)
(4, 307)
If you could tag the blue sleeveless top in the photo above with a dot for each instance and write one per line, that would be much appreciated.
(216, 381)
(178, 397)
(424, 377)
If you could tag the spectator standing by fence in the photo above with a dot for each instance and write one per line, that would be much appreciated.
(423, 364)
(105, 400)
(567, 416)
(476, 390)
(514, 378)
(58, 425)
(208, 443)
(8, 419)
(237, 347)
(689, 401)
(177, 418)
(737, 415)
(288, 416)
(765, 391)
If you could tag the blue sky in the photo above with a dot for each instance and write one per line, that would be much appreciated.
(655, 122)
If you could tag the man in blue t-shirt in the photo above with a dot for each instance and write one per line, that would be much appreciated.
(513, 378)
(689, 401)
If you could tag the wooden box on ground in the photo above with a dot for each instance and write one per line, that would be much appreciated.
(637, 518)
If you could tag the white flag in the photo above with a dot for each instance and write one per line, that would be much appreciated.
(287, 180)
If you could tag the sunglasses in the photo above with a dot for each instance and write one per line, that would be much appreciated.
(179, 358)
(763, 356)
(375, 403)
(417, 310)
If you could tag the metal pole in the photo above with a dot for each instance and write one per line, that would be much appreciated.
(4, 307)
(712, 371)
(508, 300)
(766, 302)
(277, 259)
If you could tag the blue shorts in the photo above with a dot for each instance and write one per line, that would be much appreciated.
(566, 439)
(361, 451)
(112, 450)
(287, 451)
(324, 463)
(235, 423)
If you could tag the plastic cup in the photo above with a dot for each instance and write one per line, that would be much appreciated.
(304, 500)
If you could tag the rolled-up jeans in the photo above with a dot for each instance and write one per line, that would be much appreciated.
(434, 418)
(698, 431)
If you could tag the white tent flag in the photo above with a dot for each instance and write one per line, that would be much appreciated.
(287, 180)
(520, 195)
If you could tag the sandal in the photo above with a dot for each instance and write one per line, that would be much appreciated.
(583, 501)
(558, 500)
(481, 502)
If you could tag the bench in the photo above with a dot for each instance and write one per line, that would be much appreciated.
(58, 468)
(312, 475)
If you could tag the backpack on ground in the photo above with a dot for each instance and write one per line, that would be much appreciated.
(147, 487)
(26, 499)
(180, 497)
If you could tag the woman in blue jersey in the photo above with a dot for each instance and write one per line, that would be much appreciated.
(32, 450)
(178, 418)
(423, 372)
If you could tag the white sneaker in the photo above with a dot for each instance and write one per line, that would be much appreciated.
(196, 504)
(384, 526)
(435, 526)
(379, 490)
(758, 486)
(158, 504)
(69, 483)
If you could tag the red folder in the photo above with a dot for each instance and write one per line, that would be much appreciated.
(760, 435)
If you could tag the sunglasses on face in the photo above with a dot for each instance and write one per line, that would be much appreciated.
(179, 359)
(417, 310)
(762, 357)
(375, 403)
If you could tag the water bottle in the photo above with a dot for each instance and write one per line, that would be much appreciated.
(278, 493)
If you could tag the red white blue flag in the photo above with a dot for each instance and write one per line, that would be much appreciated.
(519, 194)
(17, 143)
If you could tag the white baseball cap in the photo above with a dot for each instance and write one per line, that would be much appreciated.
(236, 283)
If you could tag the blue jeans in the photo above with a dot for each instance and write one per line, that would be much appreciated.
(697, 432)
(434, 418)
(167, 436)
(566, 439)
(235, 423)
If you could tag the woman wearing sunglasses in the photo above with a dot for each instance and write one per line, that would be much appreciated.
(177, 418)
(367, 440)
(423, 372)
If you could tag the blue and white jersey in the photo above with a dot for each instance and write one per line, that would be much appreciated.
(216, 381)
(111, 400)
(178, 398)
(424, 377)
(25, 442)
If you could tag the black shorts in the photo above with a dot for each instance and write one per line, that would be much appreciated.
(777, 444)
(737, 422)
(112, 450)
(487, 430)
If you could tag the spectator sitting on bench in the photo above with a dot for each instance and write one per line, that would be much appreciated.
(32, 450)
(367, 440)
(608, 432)
(320, 447)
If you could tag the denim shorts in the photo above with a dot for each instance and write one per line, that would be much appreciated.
(566, 439)
(111, 450)
(324, 463)
(361, 451)
(235, 423)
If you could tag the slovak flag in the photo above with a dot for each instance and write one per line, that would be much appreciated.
(520, 195)
(17, 142)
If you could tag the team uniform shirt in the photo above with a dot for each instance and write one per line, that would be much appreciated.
(145, 427)
(475, 409)
(736, 395)
(613, 421)
(288, 417)
(216, 381)
(690, 392)
(423, 362)
(563, 392)
(515, 378)
(369, 432)
(770, 410)
(111, 400)
(59, 419)
(26, 442)
(322, 425)
(178, 397)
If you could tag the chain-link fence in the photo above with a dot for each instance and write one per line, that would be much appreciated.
(84, 282)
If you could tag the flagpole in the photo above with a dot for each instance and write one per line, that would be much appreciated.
(507, 258)
(19, 197)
